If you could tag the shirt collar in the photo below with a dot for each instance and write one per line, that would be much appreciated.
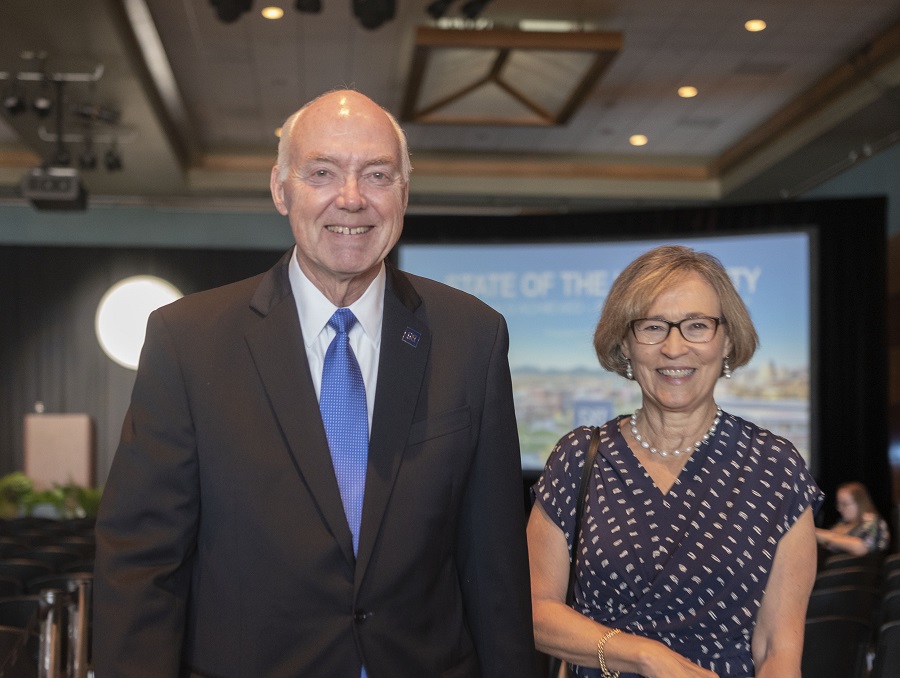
(315, 310)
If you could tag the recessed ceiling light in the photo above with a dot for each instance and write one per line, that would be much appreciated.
(687, 92)
(637, 140)
(755, 25)
(272, 12)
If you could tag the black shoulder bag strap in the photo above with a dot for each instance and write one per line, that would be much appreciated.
(583, 489)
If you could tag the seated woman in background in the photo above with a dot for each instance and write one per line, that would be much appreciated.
(696, 554)
(861, 530)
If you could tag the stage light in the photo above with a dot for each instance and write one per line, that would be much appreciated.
(231, 10)
(438, 8)
(14, 99)
(62, 157)
(113, 160)
(373, 13)
(42, 104)
(309, 6)
(87, 159)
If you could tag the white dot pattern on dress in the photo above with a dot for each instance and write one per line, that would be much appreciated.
(342, 401)
(687, 568)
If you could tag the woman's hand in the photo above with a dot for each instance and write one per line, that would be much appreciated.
(836, 541)
(650, 658)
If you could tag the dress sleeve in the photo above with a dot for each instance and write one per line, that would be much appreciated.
(798, 488)
(874, 532)
(557, 488)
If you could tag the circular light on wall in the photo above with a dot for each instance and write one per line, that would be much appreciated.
(121, 319)
(755, 25)
(273, 13)
(637, 140)
(687, 92)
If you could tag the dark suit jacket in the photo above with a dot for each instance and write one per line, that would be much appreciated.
(222, 546)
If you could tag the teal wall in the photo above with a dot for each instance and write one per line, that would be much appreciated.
(879, 175)
(103, 226)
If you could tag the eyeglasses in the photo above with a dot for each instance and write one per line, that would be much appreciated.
(697, 330)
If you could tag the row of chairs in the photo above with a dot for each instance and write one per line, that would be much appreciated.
(36, 554)
(842, 647)
(853, 618)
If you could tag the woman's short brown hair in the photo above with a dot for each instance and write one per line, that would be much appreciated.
(634, 291)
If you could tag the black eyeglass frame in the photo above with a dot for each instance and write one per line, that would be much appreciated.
(718, 321)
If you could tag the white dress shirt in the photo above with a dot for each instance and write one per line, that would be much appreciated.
(315, 310)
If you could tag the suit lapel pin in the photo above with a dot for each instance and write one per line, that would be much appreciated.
(411, 337)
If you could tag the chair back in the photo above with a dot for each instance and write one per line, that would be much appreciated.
(60, 581)
(847, 576)
(19, 611)
(16, 653)
(11, 586)
(859, 602)
(24, 569)
(887, 652)
(840, 560)
(892, 581)
(890, 563)
(890, 607)
(55, 556)
(835, 646)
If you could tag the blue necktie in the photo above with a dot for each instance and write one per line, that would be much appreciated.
(342, 400)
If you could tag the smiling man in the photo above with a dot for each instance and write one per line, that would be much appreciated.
(270, 513)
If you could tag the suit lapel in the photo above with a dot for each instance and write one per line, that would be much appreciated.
(401, 369)
(276, 345)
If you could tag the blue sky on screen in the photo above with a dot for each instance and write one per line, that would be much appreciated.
(551, 294)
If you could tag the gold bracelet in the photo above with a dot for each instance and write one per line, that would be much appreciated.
(601, 644)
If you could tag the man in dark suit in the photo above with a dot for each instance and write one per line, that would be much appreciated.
(223, 544)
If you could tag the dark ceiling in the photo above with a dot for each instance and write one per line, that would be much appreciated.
(191, 103)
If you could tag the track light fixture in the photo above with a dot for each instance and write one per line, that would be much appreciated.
(14, 98)
(113, 160)
(231, 10)
(373, 13)
(42, 104)
(309, 6)
(87, 159)
(61, 157)
(438, 8)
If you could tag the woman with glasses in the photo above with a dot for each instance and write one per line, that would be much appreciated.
(696, 553)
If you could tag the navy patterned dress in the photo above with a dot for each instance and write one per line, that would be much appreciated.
(687, 568)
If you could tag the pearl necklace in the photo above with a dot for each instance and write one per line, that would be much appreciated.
(687, 450)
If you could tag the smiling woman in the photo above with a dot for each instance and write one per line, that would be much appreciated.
(667, 516)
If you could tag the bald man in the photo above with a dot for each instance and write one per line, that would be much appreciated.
(226, 541)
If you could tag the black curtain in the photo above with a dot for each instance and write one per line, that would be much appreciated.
(49, 351)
